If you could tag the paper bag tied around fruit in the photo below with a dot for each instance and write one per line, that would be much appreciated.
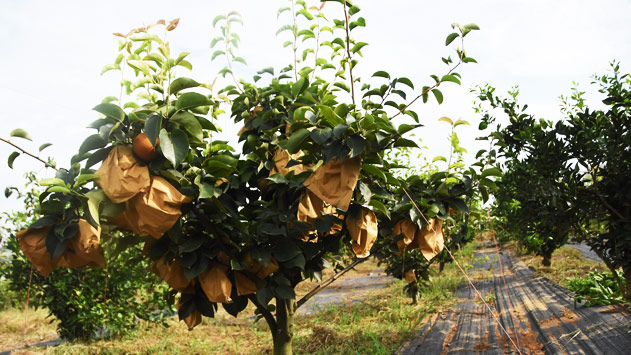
(410, 276)
(408, 229)
(311, 207)
(154, 211)
(335, 181)
(120, 176)
(193, 320)
(363, 229)
(430, 239)
(216, 284)
(171, 272)
(84, 249)
(81, 250)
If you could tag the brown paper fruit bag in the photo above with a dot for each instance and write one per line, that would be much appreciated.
(410, 276)
(311, 207)
(408, 229)
(33, 245)
(171, 272)
(120, 176)
(245, 286)
(430, 238)
(154, 211)
(335, 181)
(84, 249)
(363, 230)
(216, 284)
(259, 269)
(282, 158)
(193, 320)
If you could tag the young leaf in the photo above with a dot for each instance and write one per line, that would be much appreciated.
(438, 95)
(12, 159)
(20, 133)
(451, 38)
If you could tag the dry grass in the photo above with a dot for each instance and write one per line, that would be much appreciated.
(566, 262)
(13, 334)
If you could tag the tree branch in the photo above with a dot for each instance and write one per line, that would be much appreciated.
(269, 317)
(348, 54)
(326, 283)
(47, 164)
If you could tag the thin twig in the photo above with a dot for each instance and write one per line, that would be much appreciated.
(47, 164)
(327, 282)
(426, 91)
(348, 53)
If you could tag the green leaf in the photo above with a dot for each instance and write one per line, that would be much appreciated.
(190, 124)
(174, 145)
(468, 60)
(358, 46)
(94, 141)
(12, 159)
(297, 139)
(44, 221)
(380, 206)
(451, 38)
(471, 26)
(320, 136)
(82, 179)
(285, 292)
(286, 251)
(140, 66)
(406, 81)
(353, 10)
(216, 54)
(446, 119)
(52, 182)
(95, 198)
(299, 86)
(491, 172)
(374, 171)
(61, 189)
(451, 78)
(439, 157)
(438, 95)
(382, 74)
(20, 133)
(357, 144)
(44, 146)
(111, 111)
(191, 100)
(402, 142)
(153, 125)
(404, 128)
(217, 19)
(305, 13)
(342, 86)
(207, 191)
(180, 84)
(55, 246)
(460, 122)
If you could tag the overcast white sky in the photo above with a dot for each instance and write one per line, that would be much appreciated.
(52, 53)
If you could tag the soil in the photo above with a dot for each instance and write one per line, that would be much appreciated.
(539, 311)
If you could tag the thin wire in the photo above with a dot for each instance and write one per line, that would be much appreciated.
(497, 320)
(510, 301)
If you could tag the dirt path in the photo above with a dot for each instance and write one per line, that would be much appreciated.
(544, 314)
(347, 288)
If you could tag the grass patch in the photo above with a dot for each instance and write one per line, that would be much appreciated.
(379, 324)
(567, 264)
(38, 328)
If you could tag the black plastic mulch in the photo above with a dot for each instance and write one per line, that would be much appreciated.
(544, 315)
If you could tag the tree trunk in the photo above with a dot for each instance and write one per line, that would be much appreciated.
(441, 267)
(285, 310)
(626, 291)
(547, 259)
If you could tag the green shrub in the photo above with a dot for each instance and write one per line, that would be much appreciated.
(599, 288)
